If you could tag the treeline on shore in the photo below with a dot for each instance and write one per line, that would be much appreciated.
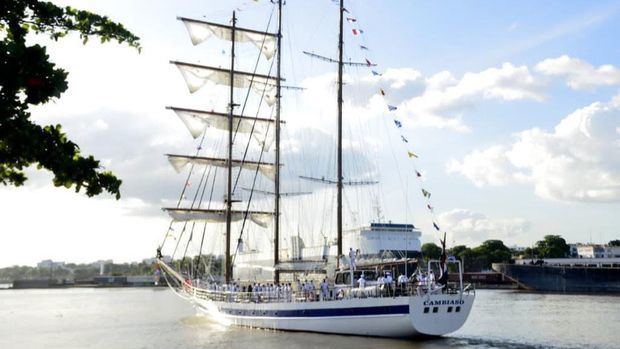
(480, 258)
(206, 264)
(475, 259)
(75, 271)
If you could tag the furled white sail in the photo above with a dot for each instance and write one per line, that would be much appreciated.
(201, 31)
(197, 121)
(197, 76)
(262, 219)
(180, 161)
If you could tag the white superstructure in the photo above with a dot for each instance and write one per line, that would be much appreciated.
(383, 241)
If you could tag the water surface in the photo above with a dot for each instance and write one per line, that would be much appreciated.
(156, 318)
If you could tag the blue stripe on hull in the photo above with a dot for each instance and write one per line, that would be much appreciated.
(386, 310)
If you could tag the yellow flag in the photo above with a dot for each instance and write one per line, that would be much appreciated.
(411, 154)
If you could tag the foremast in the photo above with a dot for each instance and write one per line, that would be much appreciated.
(196, 76)
(231, 108)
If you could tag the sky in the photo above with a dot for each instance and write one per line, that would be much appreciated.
(512, 107)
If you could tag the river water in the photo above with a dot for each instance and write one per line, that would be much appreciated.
(156, 318)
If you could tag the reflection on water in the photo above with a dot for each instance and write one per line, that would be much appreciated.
(147, 318)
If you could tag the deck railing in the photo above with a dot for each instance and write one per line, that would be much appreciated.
(334, 293)
(188, 288)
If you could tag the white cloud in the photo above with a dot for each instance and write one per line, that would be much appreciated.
(578, 161)
(445, 98)
(437, 101)
(490, 166)
(471, 227)
(399, 78)
(579, 75)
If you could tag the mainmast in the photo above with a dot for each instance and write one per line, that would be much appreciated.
(276, 233)
(339, 179)
(231, 107)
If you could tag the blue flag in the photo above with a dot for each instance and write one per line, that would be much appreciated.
(404, 139)
(436, 226)
(364, 47)
(375, 73)
(391, 108)
(398, 124)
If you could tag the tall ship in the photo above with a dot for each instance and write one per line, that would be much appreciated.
(565, 275)
(276, 268)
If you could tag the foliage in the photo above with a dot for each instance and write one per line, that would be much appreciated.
(24, 272)
(27, 77)
(552, 246)
(431, 251)
(207, 266)
(614, 243)
(530, 252)
(481, 257)
(494, 250)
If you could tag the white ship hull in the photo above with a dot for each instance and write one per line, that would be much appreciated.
(381, 316)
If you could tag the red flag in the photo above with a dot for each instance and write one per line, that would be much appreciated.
(355, 31)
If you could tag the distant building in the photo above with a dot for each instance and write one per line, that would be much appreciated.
(598, 251)
(574, 252)
(612, 251)
(517, 251)
(50, 264)
(101, 265)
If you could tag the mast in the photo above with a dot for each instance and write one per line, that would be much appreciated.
(228, 271)
(339, 179)
(276, 233)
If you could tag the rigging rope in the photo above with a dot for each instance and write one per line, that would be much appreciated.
(245, 217)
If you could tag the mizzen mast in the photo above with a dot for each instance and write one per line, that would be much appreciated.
(339, 180)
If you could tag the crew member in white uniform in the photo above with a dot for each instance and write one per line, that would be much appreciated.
(352, 258)
(431, 279)
(402, 282)
(388, 282)
(361, 281)
(381, 285)
(324, 289)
